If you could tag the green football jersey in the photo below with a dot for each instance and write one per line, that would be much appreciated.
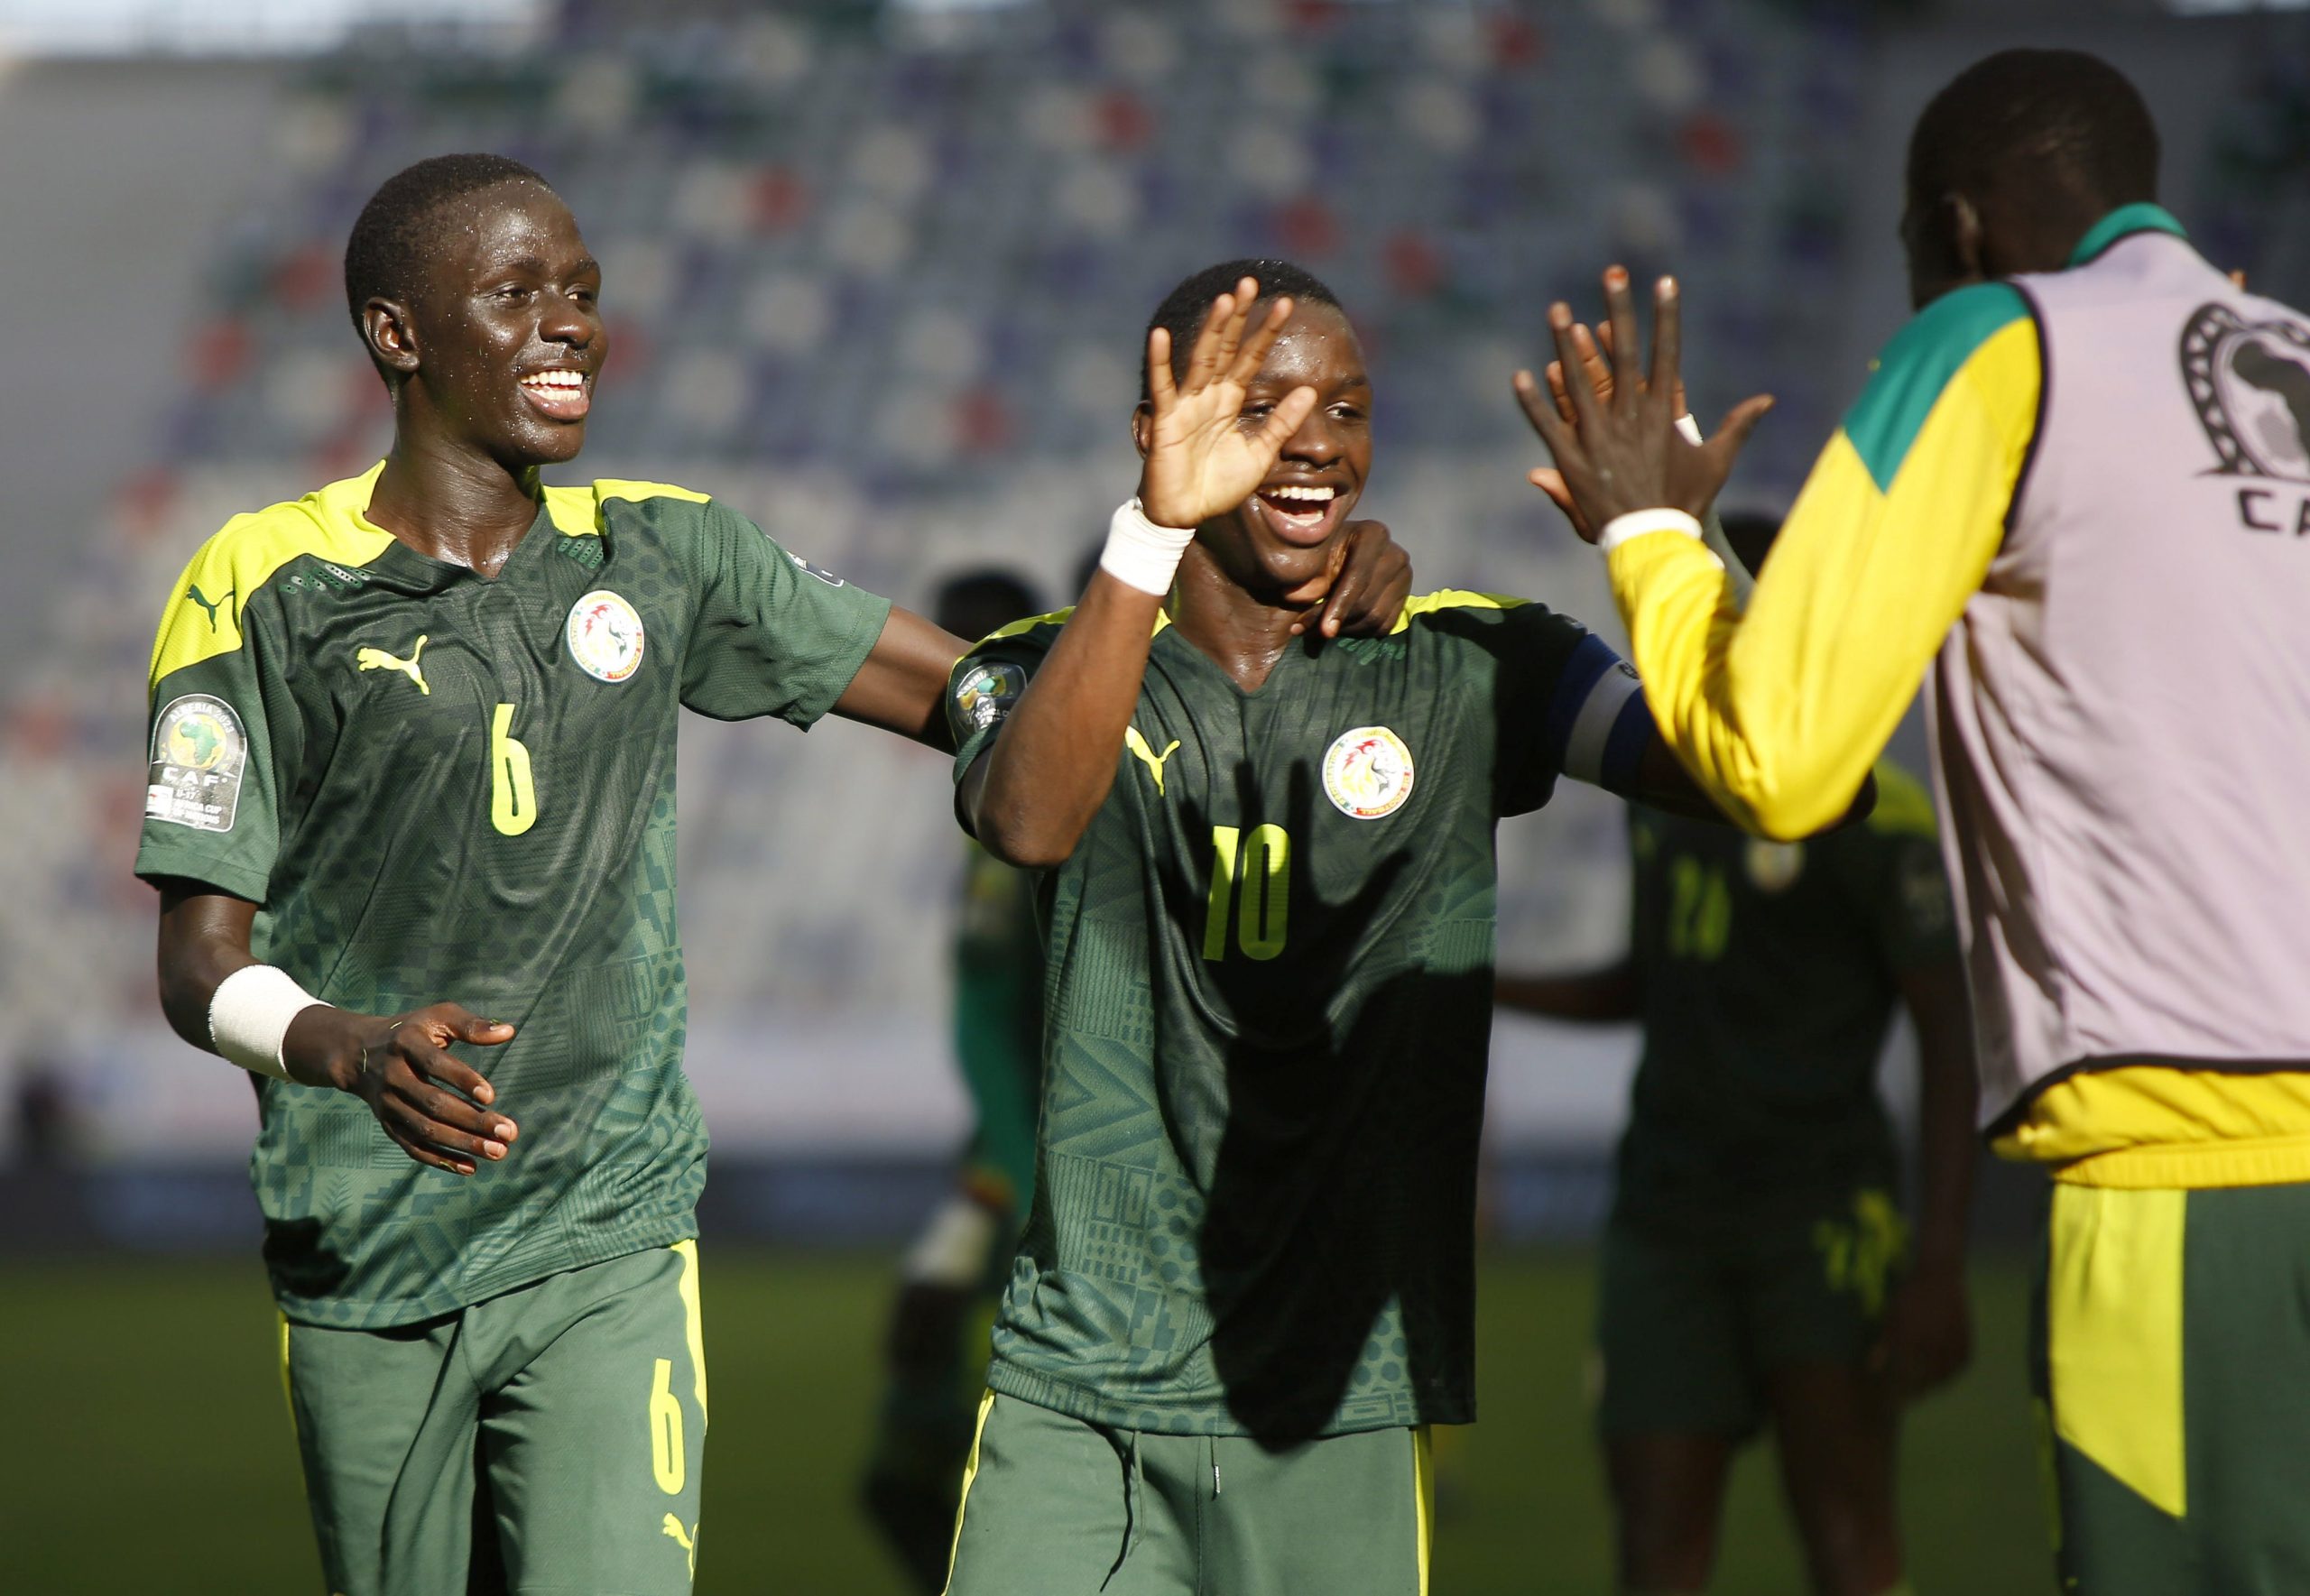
(999, 1020)
(1266, 1015)
(441, 787)
(1769, 976)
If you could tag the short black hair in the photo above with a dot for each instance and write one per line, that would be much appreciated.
(1182, 312)
(973, 604)
(384, 254)
(2058, 125)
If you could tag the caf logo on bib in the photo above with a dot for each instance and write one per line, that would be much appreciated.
(605, 636)
(1367, 773)
(2250, 385)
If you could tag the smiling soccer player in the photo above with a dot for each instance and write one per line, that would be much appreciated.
(1246, 1285)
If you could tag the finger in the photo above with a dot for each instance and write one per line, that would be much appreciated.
(414, 1087)
(1595, 351)
(1253, 354)
(1161, 389)
(1203, 359)
(1585, 408)
(1559, 391)
(433, 1157)
(1245, 300)
(1668, 345)
(2238, 278)
(1350, 584)
(1554, 431)
(402, 1106)
(1552, 483)
(1622, 310)
(1282, 421)
(1733, 430)
(422, 1048)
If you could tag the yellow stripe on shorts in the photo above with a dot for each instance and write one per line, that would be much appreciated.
(970, 1472)
(2114, 1331)
(1423, 1475)
(693, 1319)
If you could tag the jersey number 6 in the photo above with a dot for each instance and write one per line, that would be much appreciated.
(1257, 871)
(512, 800)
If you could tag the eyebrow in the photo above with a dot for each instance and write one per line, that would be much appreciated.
(538, 268)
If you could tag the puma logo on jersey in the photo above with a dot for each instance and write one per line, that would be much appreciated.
(192, 592)
(378, 659)
(673, 1526)
(1147, 756)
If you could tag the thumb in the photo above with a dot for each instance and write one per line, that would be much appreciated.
(1734, 431)
(1551, 483)
(466, 1026)
(1285, 419)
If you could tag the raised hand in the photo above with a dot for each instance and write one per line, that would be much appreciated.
(1202, 460)
(1365, 589)
(1620, 450)
(435, 1107)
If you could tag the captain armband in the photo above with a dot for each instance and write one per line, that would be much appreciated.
(249, 1016)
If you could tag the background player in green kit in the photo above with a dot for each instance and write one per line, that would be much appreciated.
(1756, 1264)
(1245, 1288)
(413, 738)
(935, 1356)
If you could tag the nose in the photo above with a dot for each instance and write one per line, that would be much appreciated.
(571, 320)
(1318, 441)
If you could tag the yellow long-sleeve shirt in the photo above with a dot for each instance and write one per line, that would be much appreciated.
(1779, 710)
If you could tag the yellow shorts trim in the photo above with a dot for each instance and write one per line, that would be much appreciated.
(693, 1319)
(2113, 1327)
(1423, 1474)
(970, 1472)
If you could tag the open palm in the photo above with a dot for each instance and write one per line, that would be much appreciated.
(1202, 460)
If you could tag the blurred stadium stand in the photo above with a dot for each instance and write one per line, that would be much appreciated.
(877, 276)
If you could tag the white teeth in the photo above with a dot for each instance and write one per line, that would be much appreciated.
(1318, 495)
(555, 379)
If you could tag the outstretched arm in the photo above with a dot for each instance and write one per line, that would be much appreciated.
(1780, 711)
(438, 1109)
(902, 686)
(1031, 797)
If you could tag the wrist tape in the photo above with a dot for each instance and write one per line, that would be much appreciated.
(250, 1014)
(1140, 554)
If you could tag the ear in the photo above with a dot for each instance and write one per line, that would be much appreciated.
(390, 332)
(1965, 235)
(1142, 421)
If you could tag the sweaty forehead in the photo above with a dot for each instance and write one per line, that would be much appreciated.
(1316, 349)
(508, 221)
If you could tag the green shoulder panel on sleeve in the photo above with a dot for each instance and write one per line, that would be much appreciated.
(985, 683)
(1910, 376)
(202, 619)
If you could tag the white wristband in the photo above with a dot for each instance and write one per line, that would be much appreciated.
(1636, 524)
(250, 1014)
(1140, 554)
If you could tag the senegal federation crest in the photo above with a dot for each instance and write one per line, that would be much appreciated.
(605, 636)
(1367, 773)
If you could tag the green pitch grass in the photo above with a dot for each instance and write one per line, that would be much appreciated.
(147, 1448)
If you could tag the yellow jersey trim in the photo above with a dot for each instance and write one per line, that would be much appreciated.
(2148, 1125)
(576, 513)
(1451, 598)
(202, 619)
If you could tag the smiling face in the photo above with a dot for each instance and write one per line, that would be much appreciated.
(502, 340)
(1288, 532)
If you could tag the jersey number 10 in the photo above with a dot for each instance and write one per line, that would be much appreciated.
(1252, 876)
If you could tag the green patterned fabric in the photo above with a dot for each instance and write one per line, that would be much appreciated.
(1769, 976)
(453, 788)
(1266, 1020)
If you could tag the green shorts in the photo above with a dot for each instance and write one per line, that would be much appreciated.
(1687, 1327)
(2170, 1359)
(1053, 1505)
(548, 1440)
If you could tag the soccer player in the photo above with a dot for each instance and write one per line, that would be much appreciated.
(413, 742)
(935, 1355)
(2075, 475)
(1756, 1269)
(1246, 1288)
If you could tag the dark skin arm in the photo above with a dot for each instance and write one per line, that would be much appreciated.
(438, 1109)
(1593, 997)
(1927, 1338)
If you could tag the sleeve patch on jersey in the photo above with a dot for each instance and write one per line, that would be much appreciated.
(808, 569)
(985, 694)
(199, 754)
